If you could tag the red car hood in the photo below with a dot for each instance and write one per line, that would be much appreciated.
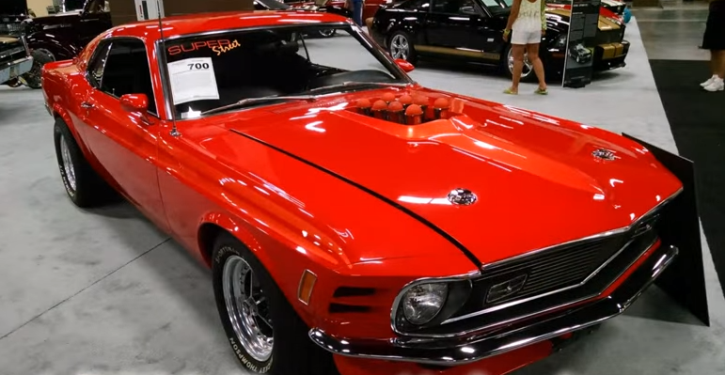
(535, 177)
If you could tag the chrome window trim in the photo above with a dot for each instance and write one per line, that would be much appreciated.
(522, 256)
(363, 37)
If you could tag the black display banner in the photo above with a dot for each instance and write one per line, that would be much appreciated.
(581, 43)
(684, 279)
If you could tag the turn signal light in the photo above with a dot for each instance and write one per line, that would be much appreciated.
(307, 283)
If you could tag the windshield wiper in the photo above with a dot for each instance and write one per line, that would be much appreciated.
(248, 101)
(356, 83)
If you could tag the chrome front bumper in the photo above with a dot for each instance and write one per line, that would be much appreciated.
(464, 350)
(15, 69)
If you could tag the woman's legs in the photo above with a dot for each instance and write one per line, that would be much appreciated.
(718, 63)
(517, 51)
(533, 53)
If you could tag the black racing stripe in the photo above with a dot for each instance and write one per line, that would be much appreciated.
(421, 219)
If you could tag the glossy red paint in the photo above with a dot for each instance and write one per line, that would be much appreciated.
(536, 180)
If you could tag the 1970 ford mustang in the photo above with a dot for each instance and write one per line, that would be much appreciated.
(355, 221)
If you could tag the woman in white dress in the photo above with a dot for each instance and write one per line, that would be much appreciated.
(526, 25)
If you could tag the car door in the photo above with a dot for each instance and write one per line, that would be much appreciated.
(458, 29)
(123, 142)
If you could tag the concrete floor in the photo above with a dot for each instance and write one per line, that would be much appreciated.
(103, 292)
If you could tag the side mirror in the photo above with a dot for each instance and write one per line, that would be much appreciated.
(406, 66)
(135, 103)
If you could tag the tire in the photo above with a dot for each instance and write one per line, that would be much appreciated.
(508, 68)
(40, 58)
(397, 44)
(14, 83)
(84, 186)
(291, 351)
(327, 33)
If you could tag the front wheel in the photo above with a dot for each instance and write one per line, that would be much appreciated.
(507, 64)
(400, 47)
(264, 331)
(83, 185)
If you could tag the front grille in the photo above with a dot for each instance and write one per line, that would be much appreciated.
(551, 277)
(562, 267)
(12, 51)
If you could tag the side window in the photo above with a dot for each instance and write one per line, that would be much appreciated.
(98, 63)
(419, 5)
(454, 6)
(126, 71)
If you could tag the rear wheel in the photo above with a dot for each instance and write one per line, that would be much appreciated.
(401, 47)
(507, 65)
(264, 331)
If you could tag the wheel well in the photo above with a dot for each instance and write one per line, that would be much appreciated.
(208, 233)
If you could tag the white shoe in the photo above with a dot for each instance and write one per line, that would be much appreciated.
(717, 84)
(709, 81)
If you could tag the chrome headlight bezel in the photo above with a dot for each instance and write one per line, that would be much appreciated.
(421, 303)
(457, 290)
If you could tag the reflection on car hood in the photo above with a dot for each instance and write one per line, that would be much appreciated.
(534, 176)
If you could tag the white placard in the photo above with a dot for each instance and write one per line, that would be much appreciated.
(193, 79)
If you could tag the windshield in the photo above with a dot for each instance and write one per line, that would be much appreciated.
(208, 72)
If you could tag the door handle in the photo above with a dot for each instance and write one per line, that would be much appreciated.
(86, 105)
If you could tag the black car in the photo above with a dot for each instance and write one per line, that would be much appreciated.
(471, 31)
(580, 54)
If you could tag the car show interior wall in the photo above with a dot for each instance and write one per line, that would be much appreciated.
(104, 292)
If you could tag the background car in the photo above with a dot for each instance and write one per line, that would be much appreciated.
(15, 59)
(580, 54)
(369, 6)
(62, 35)
(471, 31)
(325, 6)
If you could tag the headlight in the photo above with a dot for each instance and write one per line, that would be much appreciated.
(423, 302)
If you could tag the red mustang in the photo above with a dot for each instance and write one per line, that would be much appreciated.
(353, 220)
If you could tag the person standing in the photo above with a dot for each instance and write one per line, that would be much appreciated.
(526, 25)
(357, 10)
(714, 40)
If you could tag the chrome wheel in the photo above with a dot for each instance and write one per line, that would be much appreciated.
(247, 308)
(527, 68)
(399, 47)
(68, 170)
(327, 33)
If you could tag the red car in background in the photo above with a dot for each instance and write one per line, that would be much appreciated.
(353, 220)
(369, 6)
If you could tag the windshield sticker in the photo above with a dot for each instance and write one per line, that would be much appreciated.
(219, 46)
(193, 79)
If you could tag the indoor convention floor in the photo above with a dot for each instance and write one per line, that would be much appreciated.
(103, 292)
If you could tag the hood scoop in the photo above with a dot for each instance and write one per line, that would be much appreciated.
(405, 109)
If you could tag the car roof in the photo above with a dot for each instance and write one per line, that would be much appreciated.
(197, 23)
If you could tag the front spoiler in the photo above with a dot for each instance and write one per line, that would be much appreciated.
(456, 352)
